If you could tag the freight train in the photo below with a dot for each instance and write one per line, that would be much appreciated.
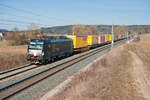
(43, 50)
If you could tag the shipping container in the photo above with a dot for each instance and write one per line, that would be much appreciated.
(119, 36)
(116, 37)
(79, 42)
(106, 37)
(99, 39)
(92, 40)
(102, 38)
(109, 37)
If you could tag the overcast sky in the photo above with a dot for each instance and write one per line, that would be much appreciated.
(45, 13)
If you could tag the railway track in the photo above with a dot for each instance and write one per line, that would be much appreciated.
(13, 69)
(18, 71)
(12, 89)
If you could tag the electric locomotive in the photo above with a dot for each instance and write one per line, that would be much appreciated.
(45, 50)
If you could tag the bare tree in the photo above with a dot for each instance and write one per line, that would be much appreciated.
(85, 30)
(79, 29)
(93, 30)
(33, 31)
(121, 29)
(144, 30)
(15, 30)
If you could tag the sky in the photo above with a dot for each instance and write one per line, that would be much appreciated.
(48, 13)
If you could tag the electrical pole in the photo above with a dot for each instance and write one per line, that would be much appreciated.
(73, 32)
(127, 37)
(112, 36)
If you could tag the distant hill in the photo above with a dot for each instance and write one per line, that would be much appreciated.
(3, 30)
(58, 29)
(102, 28)
(68, 29)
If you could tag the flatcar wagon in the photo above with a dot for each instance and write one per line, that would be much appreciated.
(44, 50)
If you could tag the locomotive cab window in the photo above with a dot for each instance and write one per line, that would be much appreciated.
(35, 45)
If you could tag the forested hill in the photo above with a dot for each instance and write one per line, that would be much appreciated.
(102, 28)
(58, 29)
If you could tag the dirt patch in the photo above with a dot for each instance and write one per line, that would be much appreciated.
(11, 57)
(140, 75)
(145, 46)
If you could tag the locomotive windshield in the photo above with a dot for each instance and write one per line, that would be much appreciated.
(36, 45)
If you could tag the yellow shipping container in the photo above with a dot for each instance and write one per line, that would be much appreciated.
(106, 37)
(92, 40)
(109, 37)
(78, 41)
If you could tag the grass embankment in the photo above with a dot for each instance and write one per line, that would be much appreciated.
(111, 78)
(12, 56)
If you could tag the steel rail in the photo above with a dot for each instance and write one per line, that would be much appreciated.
(13, 69)
(22, 71)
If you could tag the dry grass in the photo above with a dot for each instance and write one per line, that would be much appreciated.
(108, 79)
(4, 43)
(142, 49)
(11, 57)
(111, 78)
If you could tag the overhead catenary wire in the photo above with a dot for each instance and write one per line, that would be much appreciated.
(30, 12)
(14, 24)
(26, 18)
(4, 25)
(15, 21)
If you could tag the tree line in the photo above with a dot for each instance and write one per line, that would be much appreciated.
(16, 37)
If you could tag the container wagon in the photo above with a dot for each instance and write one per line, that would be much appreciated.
(79, 42)
(92, 41)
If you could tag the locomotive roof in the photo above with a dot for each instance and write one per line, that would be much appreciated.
(50, 40)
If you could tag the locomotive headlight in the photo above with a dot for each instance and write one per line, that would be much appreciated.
(42, 53)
